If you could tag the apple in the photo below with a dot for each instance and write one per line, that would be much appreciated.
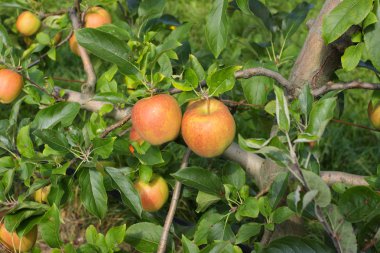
(74, 45)
(96, 17)
(154, 194)
(208, 127)
(27, 23)
(13, 242)
(157, 119)
(374, 114)
(10, 85)
(41, 194)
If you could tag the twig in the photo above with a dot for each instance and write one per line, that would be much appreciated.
(266, 237)
(89, 86)
(118, 124)
(248, 73)
(53, 95)
(331, 86)
(173, 207)
(54, 13)
(354, 125)
(332, 177)
(45, 54)
(67, 80)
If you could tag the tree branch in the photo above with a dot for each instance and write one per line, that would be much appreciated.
(331, 86)
(89, 86)
(173, 206)
(257, 167)
(248, 73)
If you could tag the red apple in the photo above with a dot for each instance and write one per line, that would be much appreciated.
(16, 244)
(97, 16)
(157, 119)
(153, 194)
(10, 85)
(208, 127)
(27, 23)
(374, 114)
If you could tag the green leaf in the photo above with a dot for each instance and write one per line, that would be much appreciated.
(218, 247)
(145, 237)
(359, 203)
(306, 101)
(342, 17)
(265, 207)
(369, 20)
(278, 189)
(200, 179)
(343, 230)
(188, 246)
(352, 56)
(315, 182)
(128, 193)
(292, 244)
(294, 19)
(246, 231)
(372, 40)
(115, 236)
(282, 111)
(321, 113)
(204, 200)
(204, 226)
(152, 156)
(308, 198)
(217, 27)
(62, 112)
(281, 214)
(108, 48)
(103, 147)
(24, 143)
(49, 227)
(151, 8)
(197, 67)
(55, 139)
(222, 80)
(250, 208)
(257, 88)
(233, 174)
(93, 194)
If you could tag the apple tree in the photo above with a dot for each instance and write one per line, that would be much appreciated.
(126, 127)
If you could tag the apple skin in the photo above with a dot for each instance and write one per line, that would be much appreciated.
(11, 84)
(27, 23)
(12, 240)
(74, 45)
(96, 17)
(157, 119)
(41, 194)
(374, 115)
(208, 127)
(154, 194)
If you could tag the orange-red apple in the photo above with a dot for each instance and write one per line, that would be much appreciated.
(154, 194)
(41, 194)
(157, 119)
(374, 114)
(10, 85)
(96, 16)
(74, 45)
(27, 23)
(16, 244)
(208, 127)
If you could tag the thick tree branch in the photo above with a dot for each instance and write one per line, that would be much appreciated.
(173, 206)
(89, 86)
(331, 86)
(316, 61)
(262, 170)
(248, 73)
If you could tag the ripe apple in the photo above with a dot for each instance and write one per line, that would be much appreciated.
(157, 119)
(27, 23)
(74, 45)
(154, 194)
(208, 127)
(96, 16)
(374, 114)
(13, 242)
(10, 85)
(41, 194)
